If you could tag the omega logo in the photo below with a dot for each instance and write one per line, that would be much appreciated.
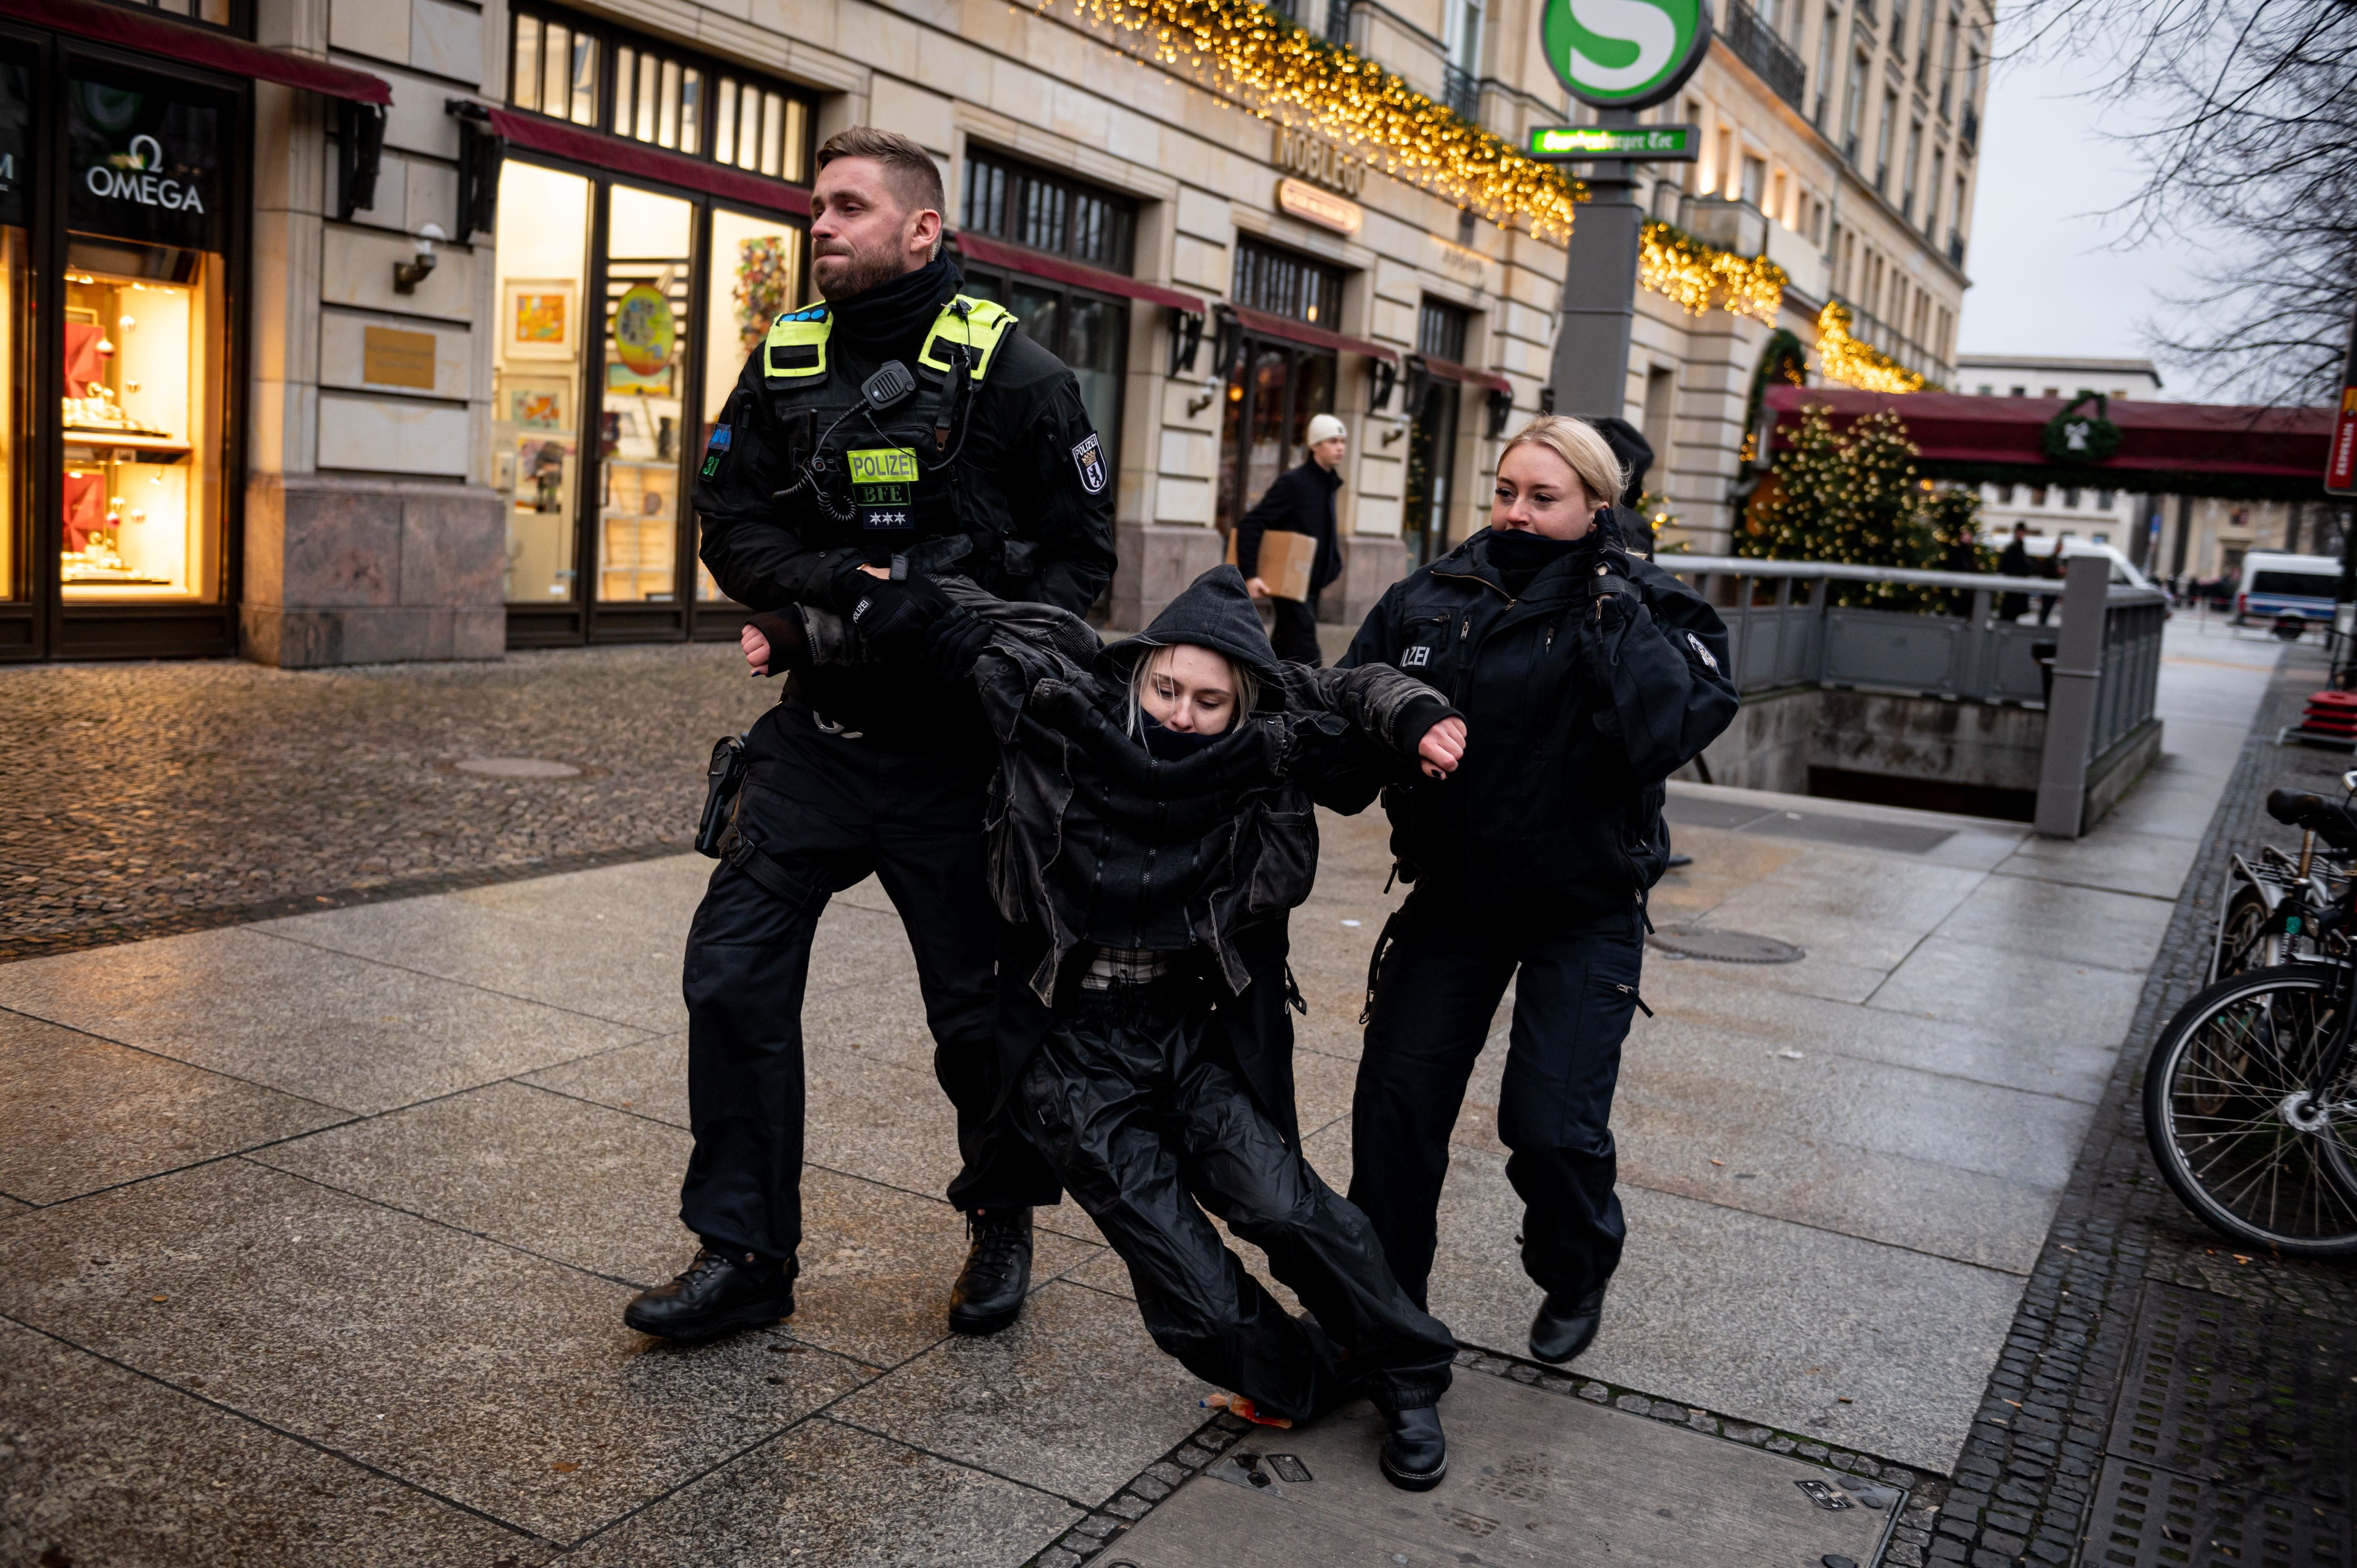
(1318, 161)
(130, 177)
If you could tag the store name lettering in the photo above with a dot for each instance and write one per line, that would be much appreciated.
(1318, 161)
(131, 181)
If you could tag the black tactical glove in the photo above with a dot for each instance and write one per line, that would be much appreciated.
(893, 617)
(953, 643)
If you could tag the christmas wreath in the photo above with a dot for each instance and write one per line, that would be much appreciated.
(2074, 437)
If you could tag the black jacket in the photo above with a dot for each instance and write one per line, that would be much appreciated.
(1030, 474)
(1093, 840)
(1580, 697)
(1300, 500)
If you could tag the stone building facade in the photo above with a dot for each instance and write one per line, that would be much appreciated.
(458, 382)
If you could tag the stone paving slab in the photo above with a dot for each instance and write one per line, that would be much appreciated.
(2044, 998)
(342, 1031)
(77, 1114)
(1534, 1477)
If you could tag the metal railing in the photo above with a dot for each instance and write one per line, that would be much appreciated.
(1461, 90)
(1757, 45)
(2094, 671)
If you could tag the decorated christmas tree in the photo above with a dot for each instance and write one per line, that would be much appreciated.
(1857, 498)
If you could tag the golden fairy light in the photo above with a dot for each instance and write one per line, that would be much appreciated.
(1288, 74)
(1855, 363)
(1698, 276)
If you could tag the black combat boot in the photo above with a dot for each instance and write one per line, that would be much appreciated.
(990, 1289)
(1415, 1452)
(1562, 1330)
(719, 1294)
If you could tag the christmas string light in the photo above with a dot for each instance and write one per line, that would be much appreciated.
(1301, 80)
(1699, 276)
(1855, 363)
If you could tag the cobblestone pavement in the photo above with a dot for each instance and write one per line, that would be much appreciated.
(144, 799)
(2163, 1397)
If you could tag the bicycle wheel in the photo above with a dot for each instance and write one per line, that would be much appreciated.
(2242, 942)
(2234, 1126)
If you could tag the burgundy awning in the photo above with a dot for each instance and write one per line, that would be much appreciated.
(1301, 332)
(185, 45)
(1056, 269)
(621, 156)
(1451, 371)
(2190, 448)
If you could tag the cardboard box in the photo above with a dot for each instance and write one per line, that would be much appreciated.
(1287, 559)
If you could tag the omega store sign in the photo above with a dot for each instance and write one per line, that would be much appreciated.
(119, 228)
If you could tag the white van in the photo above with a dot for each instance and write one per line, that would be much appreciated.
(2278, 587)
(2041, 546)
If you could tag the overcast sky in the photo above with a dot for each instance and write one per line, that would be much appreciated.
(2043, 278)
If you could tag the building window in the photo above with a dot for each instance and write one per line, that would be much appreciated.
(1285, 284)
(1755, 178)
(592, 74)
(1906, 179)
(2070, 496)
(1852, 105)
(1028, 206)
(1826, 36)
(1882, 143)
(230, 15)
(1440, 331)
(1089, 331)
(2106, 500)
(1938, 179)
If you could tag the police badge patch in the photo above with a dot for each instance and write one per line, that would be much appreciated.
(1701, 653)
(1089, 460)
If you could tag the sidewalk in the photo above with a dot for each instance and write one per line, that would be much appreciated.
(318, 1229)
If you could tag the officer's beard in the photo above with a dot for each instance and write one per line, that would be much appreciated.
(847, 273)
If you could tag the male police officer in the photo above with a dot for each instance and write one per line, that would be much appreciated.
(901, 429)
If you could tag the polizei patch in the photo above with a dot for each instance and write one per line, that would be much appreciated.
(1089, 458)
(884, 487)
(1416, 658)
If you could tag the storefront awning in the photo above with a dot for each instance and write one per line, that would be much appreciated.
(1451, 371)
(201, 47)
(2177, 449)
(1055, 269)
(1301, 332)
(620, 156)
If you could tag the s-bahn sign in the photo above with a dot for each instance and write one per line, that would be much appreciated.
(1624, 54)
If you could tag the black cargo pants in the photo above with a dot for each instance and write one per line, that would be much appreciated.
(1438, 986)
(830, 809)
(1132, 1099)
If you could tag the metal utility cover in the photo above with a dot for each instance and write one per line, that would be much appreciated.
(1725, 947)
(1534, 1478)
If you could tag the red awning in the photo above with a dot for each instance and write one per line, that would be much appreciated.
(1301, 332)
(203, 47)
(1451, 371)
(2189, 449)
(1055, 269)
(621, 156)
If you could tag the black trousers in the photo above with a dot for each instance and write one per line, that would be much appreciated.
(831, 810)
(1575, 992)
(1141, 1114)
(1294, 637)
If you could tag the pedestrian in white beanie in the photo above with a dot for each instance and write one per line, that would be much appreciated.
(1300, 500)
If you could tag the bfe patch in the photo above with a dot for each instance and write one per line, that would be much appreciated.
(1089, 458)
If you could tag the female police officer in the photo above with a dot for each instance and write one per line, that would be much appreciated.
(1585, 676)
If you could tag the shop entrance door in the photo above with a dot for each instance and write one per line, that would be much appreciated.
(118, 433)
(625, 316)
(1273, 390)
(1431, 471)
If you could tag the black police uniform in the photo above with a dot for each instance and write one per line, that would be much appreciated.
(1585, 676)
(990, 469)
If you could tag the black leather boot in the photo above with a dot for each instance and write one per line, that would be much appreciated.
(719, 1294)
(1415, 1452)
(989, 1292)
(1559, 1332)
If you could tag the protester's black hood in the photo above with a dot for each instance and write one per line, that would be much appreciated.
(1635, 453)
(1215, 612)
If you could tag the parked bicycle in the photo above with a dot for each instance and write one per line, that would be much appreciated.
(2276, 900)
(2250, 1096)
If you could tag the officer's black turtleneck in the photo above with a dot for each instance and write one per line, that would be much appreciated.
(889, 321)
(1520, 554)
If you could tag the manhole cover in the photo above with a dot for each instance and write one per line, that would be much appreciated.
(516, 767)
(1726, 947)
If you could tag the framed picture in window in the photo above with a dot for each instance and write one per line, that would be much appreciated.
(540, 318)
(537, 404)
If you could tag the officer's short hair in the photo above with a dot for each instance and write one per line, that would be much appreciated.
(908, 169)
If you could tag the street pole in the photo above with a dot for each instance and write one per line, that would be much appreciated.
(1600, 289)
(2340, 479)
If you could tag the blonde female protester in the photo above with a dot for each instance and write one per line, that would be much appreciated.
(1585, 675)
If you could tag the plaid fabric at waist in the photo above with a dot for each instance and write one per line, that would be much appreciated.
(1110, 968)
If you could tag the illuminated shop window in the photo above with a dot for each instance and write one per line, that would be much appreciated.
(143, 351)
(542, 256)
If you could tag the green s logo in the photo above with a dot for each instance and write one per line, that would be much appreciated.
(1625, 54)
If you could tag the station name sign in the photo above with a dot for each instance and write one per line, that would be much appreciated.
(1648, 144)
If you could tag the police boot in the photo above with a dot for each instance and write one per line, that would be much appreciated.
(1562, 1330)
(1415, 1452)
(997, 1273)
(718, 1293)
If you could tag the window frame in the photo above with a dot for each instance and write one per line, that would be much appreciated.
(1003, 224)
(1309, 267)
(1006, 279)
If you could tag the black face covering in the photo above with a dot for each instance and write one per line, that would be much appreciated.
(890, 320)
(1167, 745)
(1520, 550)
